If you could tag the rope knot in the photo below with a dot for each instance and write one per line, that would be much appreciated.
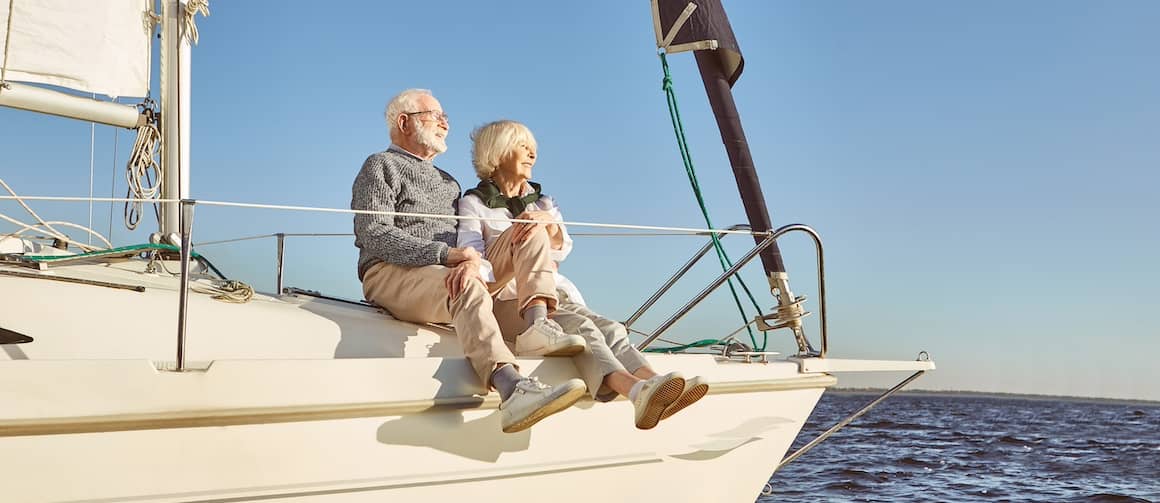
(192, 9)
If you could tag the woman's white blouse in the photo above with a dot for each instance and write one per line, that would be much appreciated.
(480, 234)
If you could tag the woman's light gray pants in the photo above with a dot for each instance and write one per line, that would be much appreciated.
(609, 349)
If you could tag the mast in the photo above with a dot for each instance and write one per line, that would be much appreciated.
(175, 69)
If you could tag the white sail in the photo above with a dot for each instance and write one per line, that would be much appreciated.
(95, 47)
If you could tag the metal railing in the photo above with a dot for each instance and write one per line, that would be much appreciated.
(185, 224)
(716, 283)
(769, 240)
(186, 221)
(280, 250)
(673, 280)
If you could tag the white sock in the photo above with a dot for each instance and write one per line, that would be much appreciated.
(635, 390)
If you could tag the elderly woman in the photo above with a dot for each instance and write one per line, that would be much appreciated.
(503, 153)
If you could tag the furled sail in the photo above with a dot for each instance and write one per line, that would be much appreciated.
(701, 26)
(91, 46)
(707, 22)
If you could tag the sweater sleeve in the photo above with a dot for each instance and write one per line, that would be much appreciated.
(566, 247)
(376, 189)
(470, 232)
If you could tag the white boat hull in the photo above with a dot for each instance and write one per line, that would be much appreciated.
(295, 398)
(262, 430)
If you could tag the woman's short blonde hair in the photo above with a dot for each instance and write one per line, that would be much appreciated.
(493, 142)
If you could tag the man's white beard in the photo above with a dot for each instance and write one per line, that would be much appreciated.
(427, 138)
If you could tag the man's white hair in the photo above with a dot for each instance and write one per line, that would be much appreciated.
(492, 143)
(404, 102)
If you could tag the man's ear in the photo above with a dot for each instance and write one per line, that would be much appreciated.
(401, 123)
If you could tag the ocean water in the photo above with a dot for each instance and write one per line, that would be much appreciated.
(975, 448)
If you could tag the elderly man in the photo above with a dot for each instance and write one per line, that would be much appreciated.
(412, 267)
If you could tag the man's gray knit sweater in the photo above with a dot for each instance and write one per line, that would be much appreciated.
(395, 180)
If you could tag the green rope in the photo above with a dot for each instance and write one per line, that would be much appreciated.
(121, 251)
(722, 257)
(681, 347)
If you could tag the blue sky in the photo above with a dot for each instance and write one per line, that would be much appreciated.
(983, 173)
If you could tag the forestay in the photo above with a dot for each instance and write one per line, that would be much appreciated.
(96, 47)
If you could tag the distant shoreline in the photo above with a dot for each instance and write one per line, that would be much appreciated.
(996, 394)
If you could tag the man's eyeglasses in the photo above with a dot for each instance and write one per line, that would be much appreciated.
(437, 115)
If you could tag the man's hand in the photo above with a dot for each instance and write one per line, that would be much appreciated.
(461, 275)
(521, 231)
(464, 254)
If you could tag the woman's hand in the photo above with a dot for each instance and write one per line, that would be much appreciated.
(544, 220)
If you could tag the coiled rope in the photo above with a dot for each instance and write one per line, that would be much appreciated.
(231, 291)
(142, 162)
(193, 8)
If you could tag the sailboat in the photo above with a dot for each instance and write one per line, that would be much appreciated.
(168, 381)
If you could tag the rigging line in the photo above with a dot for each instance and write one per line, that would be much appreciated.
(49, 228)
(235, 240)
(347, 234)
(687, 160)
(722, 256)
(283, 234)
(92, 165)
(684, 230)
(76, 226)
(40, 222)
(646, 334)
(25, 227)
(75, 199)
(626, 234)
(681, 348)
(113, 177)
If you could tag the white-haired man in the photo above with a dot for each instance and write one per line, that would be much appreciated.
(412, 267)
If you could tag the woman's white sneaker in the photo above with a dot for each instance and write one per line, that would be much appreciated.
(695, 388)
(533, 400)
(546, 338)
(657, 393)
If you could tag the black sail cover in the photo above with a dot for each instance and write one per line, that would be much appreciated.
(720, 69)
(708, 22)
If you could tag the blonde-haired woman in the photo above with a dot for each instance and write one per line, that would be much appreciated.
(503, 153)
